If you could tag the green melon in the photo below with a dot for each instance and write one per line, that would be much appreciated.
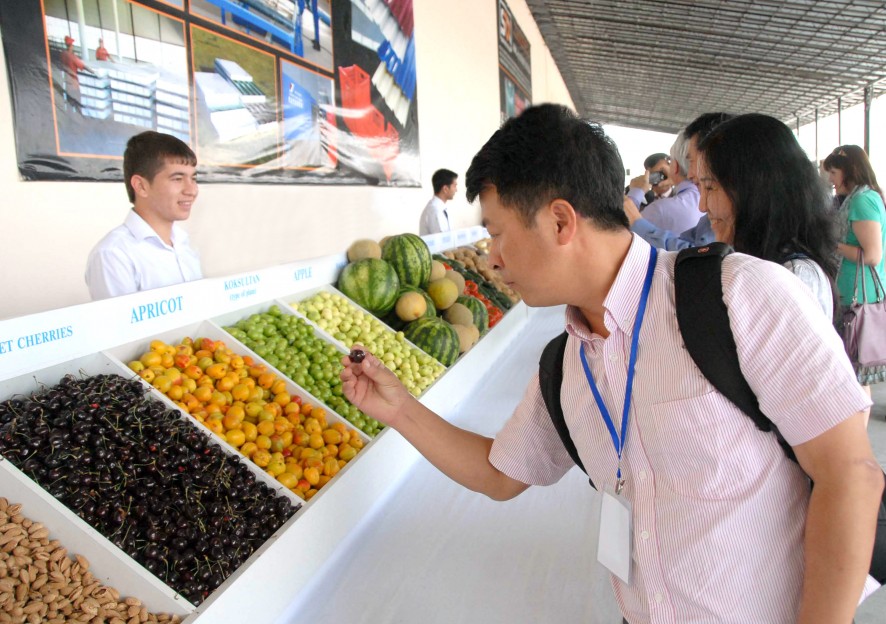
(435, 337)
(371, 283)
(481, 314)
(410, 257)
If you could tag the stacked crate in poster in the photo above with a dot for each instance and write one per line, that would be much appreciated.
(95, 94)
(133, 95)
(220, 101)
(172, 108)
(253, 98)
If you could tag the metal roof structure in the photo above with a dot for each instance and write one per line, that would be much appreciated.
(657, 64)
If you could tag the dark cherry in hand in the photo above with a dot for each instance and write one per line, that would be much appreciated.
(357, 355)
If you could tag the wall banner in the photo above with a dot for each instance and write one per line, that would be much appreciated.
(264, 91)
(514, 64)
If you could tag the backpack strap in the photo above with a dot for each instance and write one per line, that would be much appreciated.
(550, 380)
(704, 327)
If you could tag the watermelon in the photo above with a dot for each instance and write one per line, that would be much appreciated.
(435, 337)
(393, 321)
(371, 283)
(478, 309)
(410, 257)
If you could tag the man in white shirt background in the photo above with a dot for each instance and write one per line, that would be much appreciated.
(434, 218)
(149, 250)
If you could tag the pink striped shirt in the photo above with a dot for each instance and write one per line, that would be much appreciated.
(718, 510)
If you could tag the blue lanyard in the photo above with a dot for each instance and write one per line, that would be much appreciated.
(619, 442)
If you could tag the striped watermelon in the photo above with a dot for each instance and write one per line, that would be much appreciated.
(371, 283)
(410, 257)
(435, 337)
(481, 314)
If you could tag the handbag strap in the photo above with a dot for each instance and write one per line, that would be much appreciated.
(879, 292)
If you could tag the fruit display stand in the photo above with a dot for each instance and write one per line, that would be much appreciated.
(262, 588)
(108, 563)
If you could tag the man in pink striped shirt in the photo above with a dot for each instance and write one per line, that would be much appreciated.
(723, 525)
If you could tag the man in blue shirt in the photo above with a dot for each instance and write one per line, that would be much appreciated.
(677, 212)
(701, 233)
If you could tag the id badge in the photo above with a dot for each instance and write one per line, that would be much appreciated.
(614, 540)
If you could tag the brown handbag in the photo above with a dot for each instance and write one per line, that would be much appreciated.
(864, 324)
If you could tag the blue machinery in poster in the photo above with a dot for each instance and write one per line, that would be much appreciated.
(256, 15)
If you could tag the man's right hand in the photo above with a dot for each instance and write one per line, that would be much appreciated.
(374, 389)
(461, 455)
(641, 182)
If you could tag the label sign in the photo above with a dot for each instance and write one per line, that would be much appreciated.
(307, 272)
(155, 309)
(36, 339)
(240, 288)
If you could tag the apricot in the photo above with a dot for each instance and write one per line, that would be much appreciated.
(235, 437)
(217, 371)
(151, 358)
(250, 430)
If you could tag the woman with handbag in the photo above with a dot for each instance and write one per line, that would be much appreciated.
(764, 197)
(862, 223)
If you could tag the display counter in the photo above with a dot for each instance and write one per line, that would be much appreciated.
(389, 538)
(98, 337)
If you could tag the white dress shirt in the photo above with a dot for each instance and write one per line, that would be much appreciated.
(434, 218)
(133, 257)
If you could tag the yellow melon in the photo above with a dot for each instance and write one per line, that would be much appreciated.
(443, 293)
(410, 306)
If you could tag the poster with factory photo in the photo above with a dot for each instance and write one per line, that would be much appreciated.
(514, 64)
(301, 27)
(334, 103)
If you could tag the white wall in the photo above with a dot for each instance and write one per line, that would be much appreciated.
(49, 227)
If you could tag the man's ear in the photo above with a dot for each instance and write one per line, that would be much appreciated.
(140, 185)
(565, 219)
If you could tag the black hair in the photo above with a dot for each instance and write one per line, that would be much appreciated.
(441, 178)
(147, 152)
(550, 153)
(853, 162)
(654, 159)
(781, 203)
(702, 125)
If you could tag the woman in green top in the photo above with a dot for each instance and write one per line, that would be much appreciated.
(862, 217)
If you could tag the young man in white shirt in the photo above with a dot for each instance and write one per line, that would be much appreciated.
(434, 218)
(149, 250)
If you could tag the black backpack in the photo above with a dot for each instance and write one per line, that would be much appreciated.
(704, 325)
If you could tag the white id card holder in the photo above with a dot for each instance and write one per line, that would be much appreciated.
(614, 539)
